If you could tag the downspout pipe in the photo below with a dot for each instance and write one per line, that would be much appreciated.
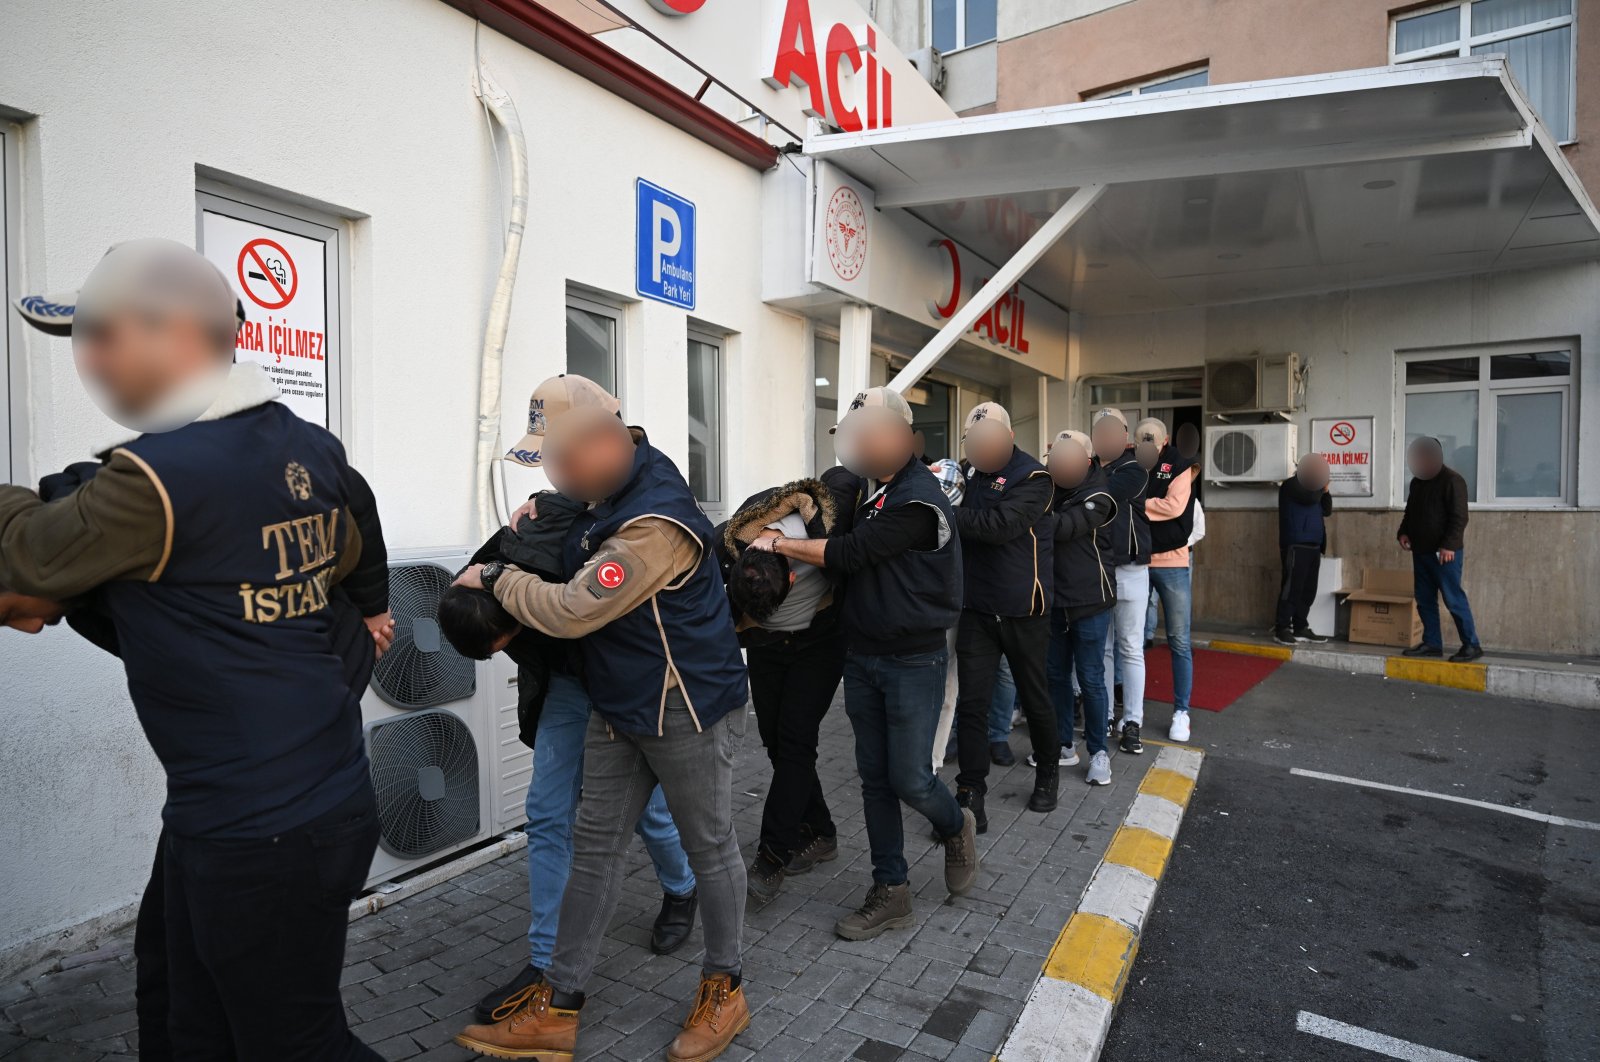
(490, 514)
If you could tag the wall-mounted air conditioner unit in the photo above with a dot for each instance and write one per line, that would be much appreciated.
(1262, 383)
(436, 728)
(1250, 453)
(930, 64)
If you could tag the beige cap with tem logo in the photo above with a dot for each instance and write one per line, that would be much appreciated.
(879, 398)
(552, 399)
(993, 412)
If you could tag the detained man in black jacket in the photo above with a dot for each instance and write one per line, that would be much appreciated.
(1085, 595)
(901, 561)
(1127, 480)
(1006, 556)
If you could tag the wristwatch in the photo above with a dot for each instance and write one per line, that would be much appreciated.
(491, 574)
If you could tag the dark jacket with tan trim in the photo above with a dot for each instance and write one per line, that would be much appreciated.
(215, 547)
(1007, 540)
(814, 503)
(1085, 569)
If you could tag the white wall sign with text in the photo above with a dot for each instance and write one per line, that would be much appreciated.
(1346, 444)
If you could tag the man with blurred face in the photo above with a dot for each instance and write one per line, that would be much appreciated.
(1085, 594)
(1169, 506)
(661, 663)
(1434, 531)
(1127, 480)
(212, 542)
(901, 561)
(1304, 506)
(1006, 547)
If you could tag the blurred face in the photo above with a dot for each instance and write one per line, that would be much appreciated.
(1068, 464)
(588, 454)
(1312, 472)
(989, 445)
(1425, 458)
(1110, 437)
(1187, 441)
(131, 360)
(873, 442)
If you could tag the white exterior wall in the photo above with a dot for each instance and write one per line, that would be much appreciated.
(366, 108)
(1350, 340)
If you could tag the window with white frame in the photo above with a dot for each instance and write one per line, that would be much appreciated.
(11, 438)
(1172, 398)
(1505, 417)
(1536, 37)
(1198, 77)
(705, 423)
(594, 340)
(957, 24)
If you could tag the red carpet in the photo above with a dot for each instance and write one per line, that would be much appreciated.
(1219, 678)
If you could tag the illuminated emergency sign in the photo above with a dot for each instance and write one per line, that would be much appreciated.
(863, 98)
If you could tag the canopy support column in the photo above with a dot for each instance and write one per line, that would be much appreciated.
(1005, 278)
(855, 352)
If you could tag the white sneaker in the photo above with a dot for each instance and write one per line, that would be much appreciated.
(1069, 757)
(1099, 769)
(1179, 731)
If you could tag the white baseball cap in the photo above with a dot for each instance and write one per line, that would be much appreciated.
(990, 411)
(880, 398)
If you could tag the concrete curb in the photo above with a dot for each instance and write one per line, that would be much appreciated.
(1068, 1013)
(1574, 689)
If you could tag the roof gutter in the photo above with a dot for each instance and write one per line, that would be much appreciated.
(537, 28)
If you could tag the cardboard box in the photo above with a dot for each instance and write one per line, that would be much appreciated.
(1383, 609)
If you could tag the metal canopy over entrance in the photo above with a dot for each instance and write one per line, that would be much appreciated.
(1238, 192)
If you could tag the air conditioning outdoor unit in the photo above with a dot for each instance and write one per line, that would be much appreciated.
(436, 726)
(1263, 383)
(930, 64)
(1249, 453)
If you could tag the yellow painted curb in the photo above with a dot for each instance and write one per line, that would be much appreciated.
(1168, 785)
(1274, 652)
(1095, 952)
(1438, 672)
(1140, 850)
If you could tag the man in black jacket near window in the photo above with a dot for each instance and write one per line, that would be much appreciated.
(1434, 531)
(1006, 559)
(902, 566)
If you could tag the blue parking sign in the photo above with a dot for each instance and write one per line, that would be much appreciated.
(664, 265)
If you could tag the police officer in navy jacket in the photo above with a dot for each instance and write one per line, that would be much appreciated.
(214, 540)
(1007, 540)
(661, 662)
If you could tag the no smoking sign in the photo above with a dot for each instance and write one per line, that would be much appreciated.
(1342, 433)
(1346, 444)
(268, 274)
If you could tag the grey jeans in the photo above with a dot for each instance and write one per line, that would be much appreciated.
(695, 771)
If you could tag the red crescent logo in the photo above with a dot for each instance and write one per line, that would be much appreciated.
(677, 7)
(610, 575)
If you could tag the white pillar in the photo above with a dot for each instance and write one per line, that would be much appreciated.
(855, 353)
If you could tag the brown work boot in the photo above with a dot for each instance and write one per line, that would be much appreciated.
(526, 1026)
(961, 856)
(720, 1013)
(886, 907)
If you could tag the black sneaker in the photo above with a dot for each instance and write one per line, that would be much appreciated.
(1000, 754)
(817, 850)
(1306, 634)
(674, 923)
(1423, 650)
(527, 976)
(1130, 738)
(765, 879)
(1466, 654)
(972, 800)
(1282, 637)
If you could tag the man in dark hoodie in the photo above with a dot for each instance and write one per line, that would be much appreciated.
(1085, 596)
(1434, 531)
(1304, 505)
(552, 713)
(1005, 609)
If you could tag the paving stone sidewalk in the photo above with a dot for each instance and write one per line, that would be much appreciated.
(948, 989)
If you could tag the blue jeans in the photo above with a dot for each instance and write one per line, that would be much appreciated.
(1082, 644)
(1434, 579)
(1172, 586)
(893, 702)
(553, 806)
(1003, 705)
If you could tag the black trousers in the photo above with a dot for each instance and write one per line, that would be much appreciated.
(792, 684)
(240, 944)
(1299, 586)
(980, 642)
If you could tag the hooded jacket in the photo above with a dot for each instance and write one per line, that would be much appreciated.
(815, 504)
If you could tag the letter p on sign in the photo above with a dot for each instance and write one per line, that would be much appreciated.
(665, 252)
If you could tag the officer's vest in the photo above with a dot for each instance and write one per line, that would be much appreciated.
(1008, 578)
(685, 630)
(231, 649)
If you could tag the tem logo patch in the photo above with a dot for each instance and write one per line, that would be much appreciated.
(298, 480)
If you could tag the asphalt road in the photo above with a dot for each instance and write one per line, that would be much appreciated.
(1449, 927)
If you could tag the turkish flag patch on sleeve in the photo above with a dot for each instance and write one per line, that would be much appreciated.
(608, 576)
